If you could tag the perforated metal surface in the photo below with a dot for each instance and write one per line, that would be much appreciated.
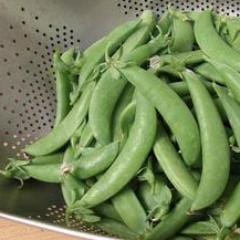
(30, 30)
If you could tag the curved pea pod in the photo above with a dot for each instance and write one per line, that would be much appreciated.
(123, 101)
(215, 149)
(171, 107)
(230, 76)
(63, 87)
(164, 22)
(173, 166)
(72, 189)
(174, 221)
(212, 44)
(107, 210)
(232, 109)
(95, 162)
(116, 228)
(131, 211)
(202, 228)
(156, 199)
(77, 134)
(129, 160)
(63, 132)
(209, 72)
(182, 38)
(103, 102)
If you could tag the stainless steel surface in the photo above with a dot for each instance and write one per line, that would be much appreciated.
(29, 32)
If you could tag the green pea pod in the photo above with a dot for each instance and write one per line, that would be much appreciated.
(156, 199)
(212, 44)
(182, 238)
(129, 160)
(72, 189)
(205, 228)
(131, 211)
(231, 211)
(107, 210)
(209, 72)
(123, 101)
(232, 109)
(116, 228)
(173, 110)
(63, 132)
(63, 88)
(215, 149)
(230, 77)
(92, 164)
(77, 134)
(165, 22)
(170, 225)
(68, 155)
(100, 110)
(173, 166)
(182, 38)
(23, 170)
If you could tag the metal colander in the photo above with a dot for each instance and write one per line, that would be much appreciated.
(30, 30)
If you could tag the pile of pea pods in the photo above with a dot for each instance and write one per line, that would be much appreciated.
(146, 141)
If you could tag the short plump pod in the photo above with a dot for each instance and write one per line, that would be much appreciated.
(129, 160)
(212, 44)
(171, 107)
(215, 149)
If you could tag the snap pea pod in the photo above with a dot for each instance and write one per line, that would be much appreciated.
(77, 134)
(232, 109)
(129, 160)
(230, 76)
(173, 166)
(116, 228)
(165, 22)
(72, 189)
(123, 101)
(215, 149)
(213, 46)
(182, 38)
(175, 220)
(231, 210)
(131, 211)
(99, 111)
(68, 155)
(63, 132)
(174, 111)
(96, 55)
(63, 87)
(209, 72)
(97, 161)
(156, 199)
(107, 210)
